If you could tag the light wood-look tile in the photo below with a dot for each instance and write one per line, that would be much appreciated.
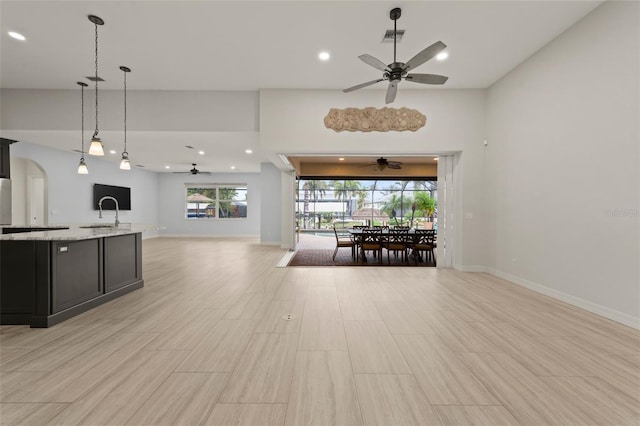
(144, 357)
(589, 398)
(470, 415)
(355, 303)
(23, 337)
(393, 399)
(441, 374)
(273, 321)
(400, 318)
(8, 355)
(53, 355)
(526, 396)
(247, 415)
(457, 334)
(13, 383)
(32, 414)
(183, 399)
(221, 349)
(372, 349)
(77, 376)
(188, 332)
(251, 306)
(322, 327)
(323, 391)
(121, 394)
(263, 374)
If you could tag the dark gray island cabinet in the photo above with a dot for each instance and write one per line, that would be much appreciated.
(46, 280)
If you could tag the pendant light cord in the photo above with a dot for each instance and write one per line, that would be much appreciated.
(125, 112)
(96, 131)
(82, 114)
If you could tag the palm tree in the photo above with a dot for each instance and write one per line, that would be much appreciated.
(318, 189)
(391, 206)
(347, 189)
(425, 203)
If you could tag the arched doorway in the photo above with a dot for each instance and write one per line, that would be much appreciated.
(29, 201)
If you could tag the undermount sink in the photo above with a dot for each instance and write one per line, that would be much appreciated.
(97, 226)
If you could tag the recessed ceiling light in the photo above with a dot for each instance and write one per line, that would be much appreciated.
(233, 167)
(324, 56)
(442, 56)
(17, 36)
(201, 152)
(435, 158)
(248, 151)
(167, 167)
(341, 159)
(112, 151)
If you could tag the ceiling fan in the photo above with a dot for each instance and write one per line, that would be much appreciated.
(396, 71)
(195, 171)
(382, 163)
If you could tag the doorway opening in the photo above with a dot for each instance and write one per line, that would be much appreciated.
(29, 200)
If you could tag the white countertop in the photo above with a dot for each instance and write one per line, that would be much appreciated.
(77, 232)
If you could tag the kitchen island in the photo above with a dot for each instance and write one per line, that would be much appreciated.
(48, 276)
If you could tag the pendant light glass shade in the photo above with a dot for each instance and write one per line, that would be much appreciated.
(96, 147)
(124, 163)
(82, 166)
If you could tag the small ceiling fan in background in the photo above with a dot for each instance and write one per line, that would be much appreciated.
(396, 71)
(382, 163)
(195, 171)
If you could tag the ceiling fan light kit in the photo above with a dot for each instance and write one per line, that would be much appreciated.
(374, 120)
(195, 171)
(396, 71)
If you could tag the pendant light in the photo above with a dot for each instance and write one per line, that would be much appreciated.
(96, 147)
(124, 162)
(82, 166)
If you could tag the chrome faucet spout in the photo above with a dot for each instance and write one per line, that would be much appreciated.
(108, 197)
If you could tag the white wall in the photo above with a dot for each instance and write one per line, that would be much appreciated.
(291, 122)
(562, 166)
(70, 196)
(157, 110)
(270, 208)
(171, 214)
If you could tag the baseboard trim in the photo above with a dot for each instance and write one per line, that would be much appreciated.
(284, 260)
(470, 268)
(612, 314)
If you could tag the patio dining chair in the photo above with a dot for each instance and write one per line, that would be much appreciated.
(344, 242)
(424, 242)
(398, 240)
(371, 240)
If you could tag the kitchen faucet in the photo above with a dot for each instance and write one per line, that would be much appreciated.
(108, 197)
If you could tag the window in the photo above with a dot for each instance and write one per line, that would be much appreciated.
(322, 204)
(216, 201)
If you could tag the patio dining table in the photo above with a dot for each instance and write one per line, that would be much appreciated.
(356, 233)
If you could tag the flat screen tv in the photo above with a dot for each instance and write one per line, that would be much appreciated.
(120, 193)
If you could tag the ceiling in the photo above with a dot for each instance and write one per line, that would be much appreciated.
(252, 45)
(363, 166)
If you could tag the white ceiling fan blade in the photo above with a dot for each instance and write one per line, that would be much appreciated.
(426, 78)
(360, 86)
(391, 92)
(374, 62)
(425, 55)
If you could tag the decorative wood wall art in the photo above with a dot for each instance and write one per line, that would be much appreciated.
(374, 120)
